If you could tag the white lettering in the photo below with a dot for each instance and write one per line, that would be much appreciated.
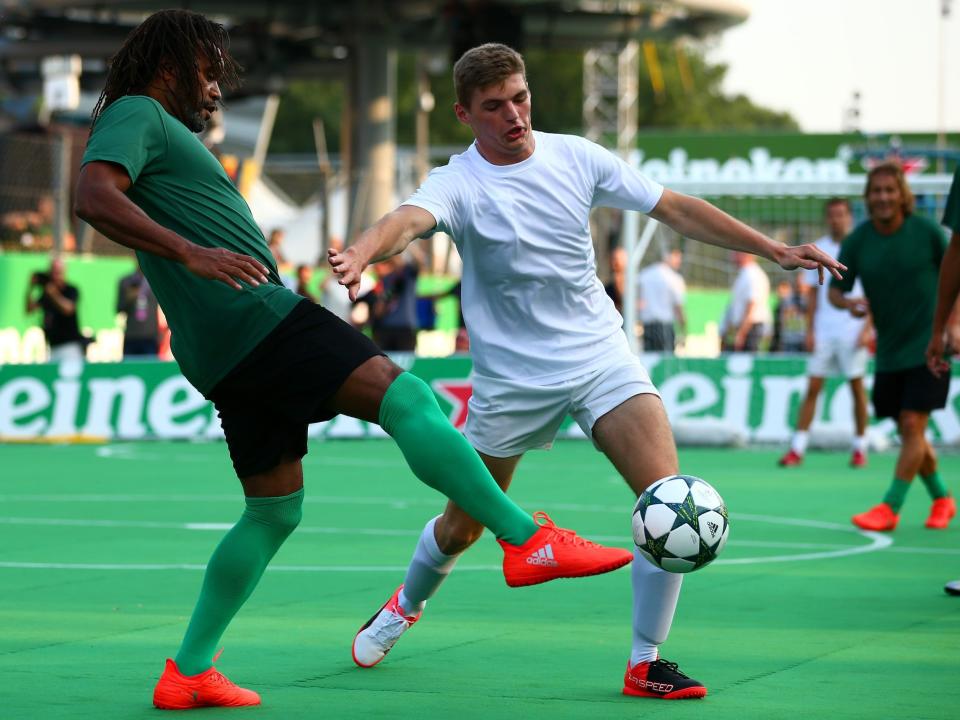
(778, 391)
(173, 399)
(36, 398)
(103, 393)
(66, 399)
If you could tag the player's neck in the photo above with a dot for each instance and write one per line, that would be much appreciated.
(890, 225)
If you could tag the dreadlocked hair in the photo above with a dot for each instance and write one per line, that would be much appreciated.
(172, 40)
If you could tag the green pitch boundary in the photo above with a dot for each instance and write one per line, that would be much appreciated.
(804, 616)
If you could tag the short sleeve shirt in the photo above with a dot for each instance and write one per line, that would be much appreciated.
(180, 185)
(899, 275)
(533, 305)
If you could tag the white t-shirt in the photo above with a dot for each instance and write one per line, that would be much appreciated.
(533, 305)
(753, 284)
(830, 322)
(662, 289)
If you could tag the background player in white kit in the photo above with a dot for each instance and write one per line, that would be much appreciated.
(838, 341)
(545, 338)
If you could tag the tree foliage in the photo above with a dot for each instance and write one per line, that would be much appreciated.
(689, 100)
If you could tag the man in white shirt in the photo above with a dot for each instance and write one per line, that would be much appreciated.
(545, 338)
(838, 341)
(748, 315)
(662, 294)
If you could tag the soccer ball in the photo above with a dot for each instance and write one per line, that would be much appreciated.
(680, 523)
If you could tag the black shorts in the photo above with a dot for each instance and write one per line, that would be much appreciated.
(266, 402)
(915, 389)
(658, 337)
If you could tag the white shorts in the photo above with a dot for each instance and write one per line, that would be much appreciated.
(837, 356)
(509, 417)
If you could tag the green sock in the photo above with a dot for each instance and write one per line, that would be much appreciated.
(442, 458)
(897, 494)
(234, 571)
(934, 485)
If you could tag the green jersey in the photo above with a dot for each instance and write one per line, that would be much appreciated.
(180, 185)
(951, 215)
(899, 277)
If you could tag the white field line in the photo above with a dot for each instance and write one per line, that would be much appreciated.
(878, 541)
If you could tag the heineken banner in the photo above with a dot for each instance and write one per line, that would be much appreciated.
(753, 398)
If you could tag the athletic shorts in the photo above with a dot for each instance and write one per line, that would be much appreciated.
(915, 389)
(837, 357)
(659, 337)
(509, 417)
(267, 401)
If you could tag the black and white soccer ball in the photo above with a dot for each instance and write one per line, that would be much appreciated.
(680, 523)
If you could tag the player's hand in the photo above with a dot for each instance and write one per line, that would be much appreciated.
(228, 267)
(348, 266)
(858, 307)
(810, 257)
(809, 341)
(937, 363)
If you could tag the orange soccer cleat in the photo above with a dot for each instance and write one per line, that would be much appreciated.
(790, 459)
(660, 679)
(880, 518)
(554, 553)
(858, 459)
(208, 689)
(941, 513)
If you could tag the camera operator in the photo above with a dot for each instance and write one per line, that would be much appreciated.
(51, 292)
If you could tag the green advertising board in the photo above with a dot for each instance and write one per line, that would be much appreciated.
(739, 396)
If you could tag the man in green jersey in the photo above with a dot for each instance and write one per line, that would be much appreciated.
(897, 255)
(947, 291)
(271, 362)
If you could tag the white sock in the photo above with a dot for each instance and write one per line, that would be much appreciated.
(428, 569)
(860, 443)
(799, 443)
(655, 594)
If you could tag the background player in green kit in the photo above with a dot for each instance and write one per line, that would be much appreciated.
(947, 291)
(896, 255)
(270, 361)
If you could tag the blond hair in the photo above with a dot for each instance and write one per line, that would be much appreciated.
(893, 169)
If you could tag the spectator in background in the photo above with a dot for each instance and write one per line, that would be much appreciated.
(50, 292)
(748, 314)
(137, 303)
(394, 309)
(618, 277)
(275, 243)
(838, 343)
(304, 276)
(462, 340)
(662, 295)
(790, 317)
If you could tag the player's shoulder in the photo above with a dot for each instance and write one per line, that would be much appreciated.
(924, 224)
(131, 108)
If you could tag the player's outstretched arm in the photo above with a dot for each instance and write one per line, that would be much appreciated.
(102, 202)
(391, 234)
(698, 219)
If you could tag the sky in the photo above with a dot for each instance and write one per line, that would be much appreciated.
(809, 56)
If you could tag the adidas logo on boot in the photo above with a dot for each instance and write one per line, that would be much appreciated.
(543, 556)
